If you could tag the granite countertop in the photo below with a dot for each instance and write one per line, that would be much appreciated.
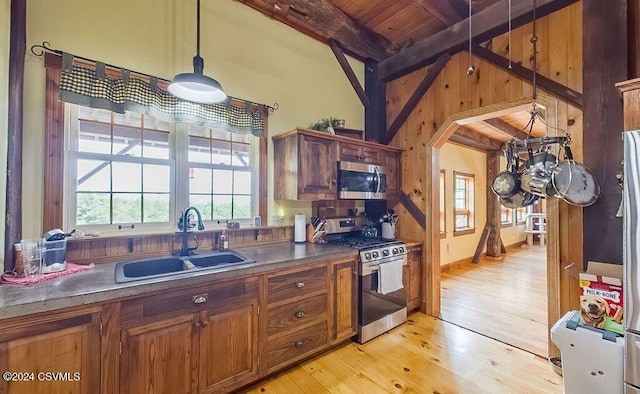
(98, 284)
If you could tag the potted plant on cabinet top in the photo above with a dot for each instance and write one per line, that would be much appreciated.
(327, 124)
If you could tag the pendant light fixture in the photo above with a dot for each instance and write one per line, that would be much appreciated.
(196, 86)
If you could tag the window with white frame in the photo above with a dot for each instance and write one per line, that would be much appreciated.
(520, 214)
(463, 203)
(131, 169)
(506, 216)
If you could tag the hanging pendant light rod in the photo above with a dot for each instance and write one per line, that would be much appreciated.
(40, 49)
(534, 41)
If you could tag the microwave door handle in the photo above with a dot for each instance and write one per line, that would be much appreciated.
(376, 177)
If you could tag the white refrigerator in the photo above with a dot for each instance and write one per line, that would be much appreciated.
(631, 259)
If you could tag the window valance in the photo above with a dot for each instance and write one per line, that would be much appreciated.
(123, 91)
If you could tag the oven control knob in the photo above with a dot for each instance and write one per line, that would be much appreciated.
(395, 251)
(385, 253)
(367, 256)
(402, 249)
(375, 255)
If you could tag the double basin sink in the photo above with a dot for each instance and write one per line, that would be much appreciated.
(173, 266)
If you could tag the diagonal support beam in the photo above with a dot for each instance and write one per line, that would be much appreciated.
(351, 76)
(414, 210)
(413, 101)
(505, 128)
(488, 23)
(523, 72)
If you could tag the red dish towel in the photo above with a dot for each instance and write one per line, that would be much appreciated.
(27, 280)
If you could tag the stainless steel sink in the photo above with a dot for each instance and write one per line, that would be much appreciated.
(174, 266)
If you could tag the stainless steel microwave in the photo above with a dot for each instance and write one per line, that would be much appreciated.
(361, 181)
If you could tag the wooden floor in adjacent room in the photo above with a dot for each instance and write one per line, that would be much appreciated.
(425, 355)
(505, 300)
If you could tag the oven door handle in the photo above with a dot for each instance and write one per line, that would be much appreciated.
(376, 178)
(370, 269)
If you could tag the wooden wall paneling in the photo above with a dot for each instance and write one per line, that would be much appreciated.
(573, 18)
(604, 47)
(53, 147)
(13, 193)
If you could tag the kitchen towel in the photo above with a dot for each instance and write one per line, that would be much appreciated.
(389, 277)
(300, 229)
(27, 280)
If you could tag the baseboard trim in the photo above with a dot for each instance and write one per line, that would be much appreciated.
(468, 260)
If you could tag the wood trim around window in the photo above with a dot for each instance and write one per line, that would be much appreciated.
(53, 193)
(471, 201)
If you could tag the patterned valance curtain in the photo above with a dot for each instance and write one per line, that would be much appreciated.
(93, 88)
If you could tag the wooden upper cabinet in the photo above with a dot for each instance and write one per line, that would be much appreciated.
(306, 163)
(61, 344)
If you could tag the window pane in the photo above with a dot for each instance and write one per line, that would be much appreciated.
(241, 156)
(128, 118)
(221, 135)
(156, 208)
(200, 180)
(203, 203)
(127, 177)
(156, 144)
(94, 137)
(246, 138)
(222, 207)
(127, 141)
(222, 182)
(462, 221)
(152, 123)
(241, 207)
(156, 178)
(220, 152)
(199, 150)
(94, 175)
(100, 115)
(242, 183)
(199, 131)
(93, 208)
(127, 208)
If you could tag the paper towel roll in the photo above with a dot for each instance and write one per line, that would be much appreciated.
(300, 228)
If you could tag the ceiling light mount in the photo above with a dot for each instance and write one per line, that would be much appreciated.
(196, 86)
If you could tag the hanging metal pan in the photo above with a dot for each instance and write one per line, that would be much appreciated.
(574, 182)
(536, 179)
(507, 183)
(518, 200)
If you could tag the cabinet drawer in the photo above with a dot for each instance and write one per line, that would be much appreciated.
(291, 348)
(290, 315)
(297, 284)
(351, 152)
(214, 296)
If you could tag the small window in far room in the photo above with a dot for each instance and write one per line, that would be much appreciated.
(463, 203)
(443, 205)
(506, 216)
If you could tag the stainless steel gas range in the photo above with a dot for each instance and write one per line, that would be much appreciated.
(382, 302)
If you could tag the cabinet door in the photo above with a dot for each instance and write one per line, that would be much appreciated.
(361, 154)
(157, 357)
(394, 170)
(317, 169)
(413, 281)
(56, 361)
(345, 300)
(229, 348)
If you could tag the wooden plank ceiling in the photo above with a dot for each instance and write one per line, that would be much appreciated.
(387, 31)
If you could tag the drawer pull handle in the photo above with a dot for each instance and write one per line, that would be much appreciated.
(300, 285)
(197, 325)
(300, 314)
(200, 299)
(204, 323)
(299, 343)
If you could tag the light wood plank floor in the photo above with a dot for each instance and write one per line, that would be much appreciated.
(425, 355)
(505, 300)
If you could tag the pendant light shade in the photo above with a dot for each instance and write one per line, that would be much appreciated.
(196, 86)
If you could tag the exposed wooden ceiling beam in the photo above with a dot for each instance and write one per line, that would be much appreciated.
(505, 128)
(322, 20)
(474, 140)
(442, 10)
(346, 67)
(548, 84)
(488, 23)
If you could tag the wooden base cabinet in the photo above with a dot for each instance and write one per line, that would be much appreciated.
(345, 300)
(412, 278)
(53, 353)
(211, 349)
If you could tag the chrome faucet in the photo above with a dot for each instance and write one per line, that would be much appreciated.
(187, 250)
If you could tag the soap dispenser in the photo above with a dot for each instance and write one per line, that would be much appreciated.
(223, 241)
